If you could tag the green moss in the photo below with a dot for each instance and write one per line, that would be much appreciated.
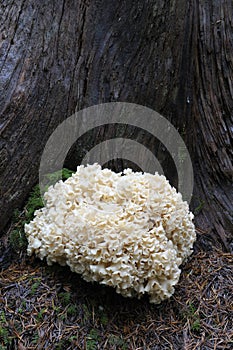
(92, 339)
(191, 309)
(4, 333)
(104, 319)
(35, 286)
(192, 314)
(17, 238)
(56, 309)
(34, 203)
(71, 310)
(196, 325)
(3, 347)
(86, 314)
(64, 298)
(2, 317)
(40, 315)
(35, 200)
(73, 338)
(118, 342)
(61, 345)
(35, 338)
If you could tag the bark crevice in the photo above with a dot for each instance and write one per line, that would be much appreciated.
(175, 57)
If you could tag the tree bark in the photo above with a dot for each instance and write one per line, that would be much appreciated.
(212, 117)
(174, 56)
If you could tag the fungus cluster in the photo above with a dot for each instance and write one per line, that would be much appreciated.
(131, 232)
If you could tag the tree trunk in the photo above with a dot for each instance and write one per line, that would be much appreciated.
(175, 57)
(212, 117)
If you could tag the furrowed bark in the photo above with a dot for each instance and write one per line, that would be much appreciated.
(172, 56)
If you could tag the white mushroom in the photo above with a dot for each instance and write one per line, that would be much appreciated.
(131, 232)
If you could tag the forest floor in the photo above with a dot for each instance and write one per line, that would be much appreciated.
(49, 307)
(44, 307)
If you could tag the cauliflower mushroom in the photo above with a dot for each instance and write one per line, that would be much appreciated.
(131, 232)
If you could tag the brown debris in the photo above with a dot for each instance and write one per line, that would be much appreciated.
(51, 308)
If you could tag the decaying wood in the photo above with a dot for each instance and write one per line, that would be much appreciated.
(173, 56)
